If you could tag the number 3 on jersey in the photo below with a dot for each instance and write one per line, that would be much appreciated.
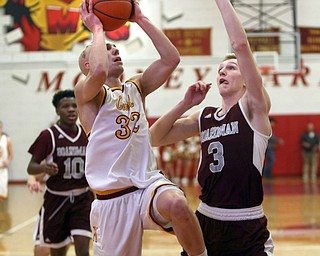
(216, 150)
(125, 121)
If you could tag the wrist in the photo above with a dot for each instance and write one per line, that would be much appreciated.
(43, 169)
(98, 30)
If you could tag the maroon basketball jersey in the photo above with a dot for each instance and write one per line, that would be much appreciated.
(68, 152)
(227, 173)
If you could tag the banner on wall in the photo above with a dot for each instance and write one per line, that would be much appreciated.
(191, 42)
(310, 39)
(264, 43)
(48, 25)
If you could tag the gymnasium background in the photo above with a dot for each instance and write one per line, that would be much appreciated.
(40, 41)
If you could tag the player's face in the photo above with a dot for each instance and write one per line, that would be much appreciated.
(67, 110)
(229, 77)
(115, 61)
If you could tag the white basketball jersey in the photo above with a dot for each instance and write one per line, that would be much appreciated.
(119, 152)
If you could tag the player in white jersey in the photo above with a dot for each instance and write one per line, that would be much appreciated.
(132, 195)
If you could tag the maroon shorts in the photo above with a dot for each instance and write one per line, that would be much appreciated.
(61, 217)
(236, 238)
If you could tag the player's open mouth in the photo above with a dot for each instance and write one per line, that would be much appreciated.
(223, 81)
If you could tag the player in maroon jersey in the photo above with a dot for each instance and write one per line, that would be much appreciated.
(234, 139)
(59, 152)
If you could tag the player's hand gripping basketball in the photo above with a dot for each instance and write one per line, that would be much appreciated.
(89, 19)
(136, 12)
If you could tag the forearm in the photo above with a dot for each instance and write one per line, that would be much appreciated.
(35, 168)
(167, 51)
(235, 30)
(98, 69)
(171, 128)
(97, 58)
(163, 131)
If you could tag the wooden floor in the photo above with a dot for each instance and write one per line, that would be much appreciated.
(292, 207)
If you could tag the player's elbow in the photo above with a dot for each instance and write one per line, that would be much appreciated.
(240, 45)
(175, 60)
(171, 60)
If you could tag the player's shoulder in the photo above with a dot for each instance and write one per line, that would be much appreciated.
(136, 78)
(134, 82)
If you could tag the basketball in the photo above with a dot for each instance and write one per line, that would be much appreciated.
(112, 13)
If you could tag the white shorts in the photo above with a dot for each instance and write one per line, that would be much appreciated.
(118, 223)
(4, 179)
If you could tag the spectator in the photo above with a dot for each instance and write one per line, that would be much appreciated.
(310, 152)
(270, 152)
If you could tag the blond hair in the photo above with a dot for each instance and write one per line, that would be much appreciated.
(229, 56)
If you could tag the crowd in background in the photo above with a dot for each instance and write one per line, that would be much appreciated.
(179, 161)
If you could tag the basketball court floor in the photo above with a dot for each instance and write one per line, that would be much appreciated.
(292, 207)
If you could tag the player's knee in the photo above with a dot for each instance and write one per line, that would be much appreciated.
(180, 209)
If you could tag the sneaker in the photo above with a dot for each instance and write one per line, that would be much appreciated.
(185, 181)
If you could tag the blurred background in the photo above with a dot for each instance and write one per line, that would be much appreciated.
(40, 41)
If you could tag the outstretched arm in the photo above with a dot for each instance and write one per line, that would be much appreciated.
(93, 63)
(171, 127)
(160, 70)
(94, 60)
(256, 101)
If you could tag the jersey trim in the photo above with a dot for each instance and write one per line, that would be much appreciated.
(249, 123)
(136, 84)
(53, 145)
(67, 136)
(73, 192)
(231, 214)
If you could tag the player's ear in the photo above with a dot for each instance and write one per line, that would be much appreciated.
(86, 65)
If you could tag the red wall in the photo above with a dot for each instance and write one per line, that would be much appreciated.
(288, 155)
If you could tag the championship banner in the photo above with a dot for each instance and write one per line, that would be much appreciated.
(310, 39)
(264, 43)
(191, 42)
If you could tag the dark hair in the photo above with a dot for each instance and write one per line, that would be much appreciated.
(60, 95)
